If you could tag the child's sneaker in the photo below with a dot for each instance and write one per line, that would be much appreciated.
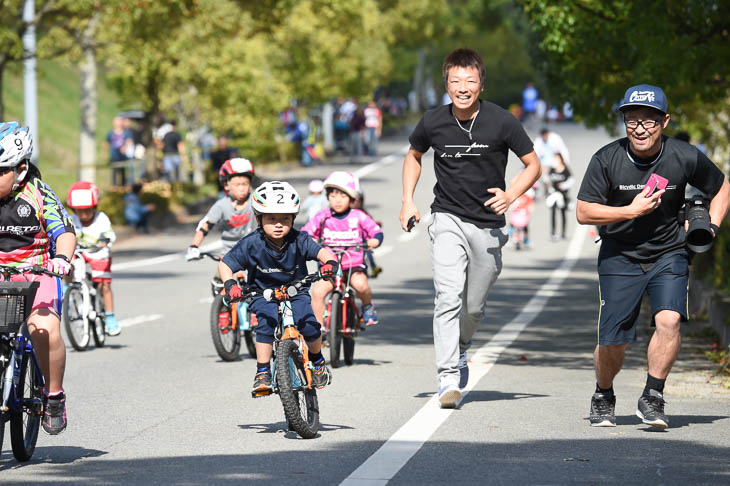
(112, 326)
(262, 384)
(321, 375)
(54, 416)
(369, 315)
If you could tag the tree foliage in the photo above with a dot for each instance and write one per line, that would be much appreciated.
(593, 51)
(51, 21)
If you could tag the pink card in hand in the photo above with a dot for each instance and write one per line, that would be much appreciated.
(657, 183)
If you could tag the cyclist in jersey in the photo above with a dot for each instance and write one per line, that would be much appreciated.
(35, 229)
(275, 255)
(95, 237)
(233, 212)
(342, 224)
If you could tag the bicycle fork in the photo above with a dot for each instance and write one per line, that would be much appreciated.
(290, 333)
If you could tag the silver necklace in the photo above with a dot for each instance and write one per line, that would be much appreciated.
(468, 132)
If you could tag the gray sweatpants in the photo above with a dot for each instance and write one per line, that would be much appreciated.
(466, 262)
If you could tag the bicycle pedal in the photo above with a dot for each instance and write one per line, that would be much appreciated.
(261, 393)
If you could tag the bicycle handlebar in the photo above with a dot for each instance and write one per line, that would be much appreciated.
(279, 293)
(35, 269)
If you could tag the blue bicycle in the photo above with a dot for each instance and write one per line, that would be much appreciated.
(21, 383)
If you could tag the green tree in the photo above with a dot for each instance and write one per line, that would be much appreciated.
(591, 52)
(50, 20)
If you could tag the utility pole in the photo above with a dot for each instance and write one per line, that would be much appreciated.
(30, 88)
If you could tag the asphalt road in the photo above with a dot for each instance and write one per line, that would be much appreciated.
(157, 405)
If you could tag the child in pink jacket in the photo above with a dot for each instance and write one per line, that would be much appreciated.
(339, 224)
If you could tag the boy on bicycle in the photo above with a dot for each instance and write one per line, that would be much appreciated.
(344, 225)
(35, 229)
(233, 212)
(94, 236)
(275, 255)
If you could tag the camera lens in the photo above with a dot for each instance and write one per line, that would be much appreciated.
(699, 234)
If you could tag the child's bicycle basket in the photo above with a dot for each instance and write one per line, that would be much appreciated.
(16, 302)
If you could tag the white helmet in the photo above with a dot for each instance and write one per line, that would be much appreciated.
(275, 197)
(16, 146)
(345, 182)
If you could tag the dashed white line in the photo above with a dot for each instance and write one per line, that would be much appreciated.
(133, 321)
(385, 463)
(388, 159)
(215, 245)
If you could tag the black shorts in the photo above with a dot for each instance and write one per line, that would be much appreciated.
(622, 284)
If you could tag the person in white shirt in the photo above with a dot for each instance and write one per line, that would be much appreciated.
(547, 145)
(94, 236)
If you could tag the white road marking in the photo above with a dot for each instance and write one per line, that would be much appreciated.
(388, 159)
(133, 321)
(385, 463)
(382, 250)
(215, 245)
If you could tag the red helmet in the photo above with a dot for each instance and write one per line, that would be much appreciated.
(236, 166)
(83, 195)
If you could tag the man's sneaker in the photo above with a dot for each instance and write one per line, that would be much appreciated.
(463, 370)
(369, 315)
(650, 410)
(603, 410)
(449, 396)
(262, 384)
(321, 376)
(54, 416)
(112, 326)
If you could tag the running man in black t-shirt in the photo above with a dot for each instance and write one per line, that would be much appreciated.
(471, 139)
(643, 244)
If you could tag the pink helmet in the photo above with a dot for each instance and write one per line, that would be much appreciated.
(82, 195)
(345, 182)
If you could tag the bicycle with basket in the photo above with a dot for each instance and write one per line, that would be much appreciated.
(21, 380)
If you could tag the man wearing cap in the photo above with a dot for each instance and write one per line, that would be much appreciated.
(633, 190)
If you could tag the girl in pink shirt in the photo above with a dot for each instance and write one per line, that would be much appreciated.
(341, 225)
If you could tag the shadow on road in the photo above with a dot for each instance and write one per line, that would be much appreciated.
(57, 455)
(602, 459)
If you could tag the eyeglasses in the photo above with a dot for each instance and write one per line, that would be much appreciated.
(646, 124)
(5, 170)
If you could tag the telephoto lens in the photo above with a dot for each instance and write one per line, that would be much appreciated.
(699, 234)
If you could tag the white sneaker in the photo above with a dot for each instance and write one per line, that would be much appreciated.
(449, 396)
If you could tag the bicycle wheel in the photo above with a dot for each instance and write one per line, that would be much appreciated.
(99, 325)
(227, 343)
(74, 321)
(348, 342)
(300, 403)
(334, 336)
(24, 423)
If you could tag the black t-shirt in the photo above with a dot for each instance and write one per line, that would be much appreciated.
(613, 179)
(557, 178)
(170, 141)
(465, 168)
